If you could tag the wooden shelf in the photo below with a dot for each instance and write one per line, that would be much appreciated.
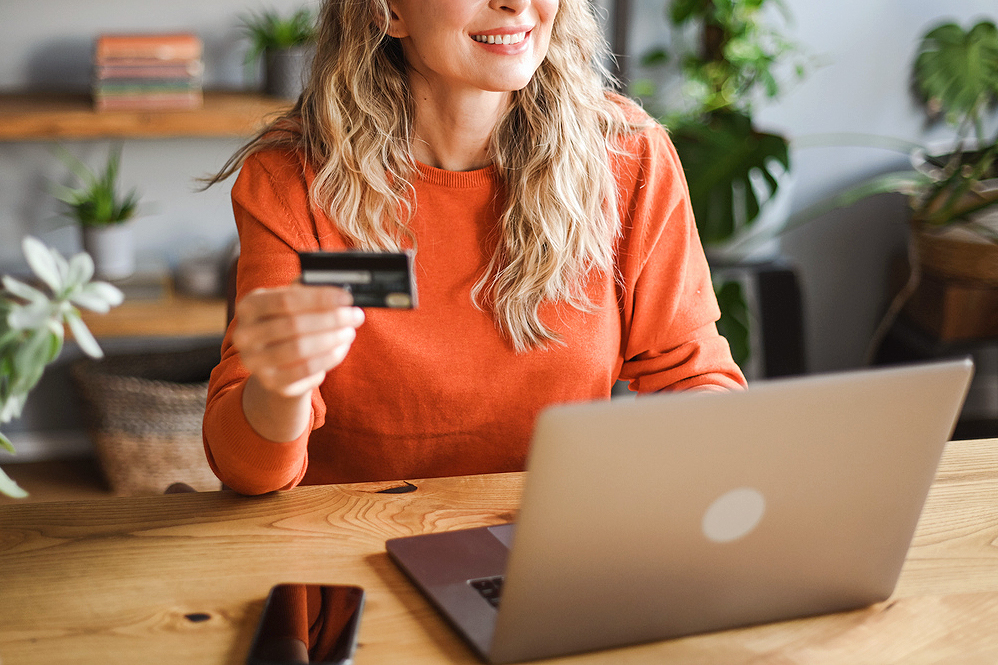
(171, 316)
(47, 116)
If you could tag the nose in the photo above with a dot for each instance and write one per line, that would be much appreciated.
(509, 6)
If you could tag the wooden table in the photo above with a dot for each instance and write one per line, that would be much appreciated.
(181, 578)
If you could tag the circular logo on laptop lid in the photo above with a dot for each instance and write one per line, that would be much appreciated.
(733, 515)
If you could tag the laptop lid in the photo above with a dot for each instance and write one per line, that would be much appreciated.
(684, 513)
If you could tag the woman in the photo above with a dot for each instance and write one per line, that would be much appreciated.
(555, 249)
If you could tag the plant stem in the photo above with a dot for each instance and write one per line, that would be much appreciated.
(900, 300)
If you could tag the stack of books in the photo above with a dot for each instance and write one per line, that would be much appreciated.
(147, 72)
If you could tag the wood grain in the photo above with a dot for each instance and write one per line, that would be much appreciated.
(118, 580)
(171, 316)
(112, 581)
(55, 116)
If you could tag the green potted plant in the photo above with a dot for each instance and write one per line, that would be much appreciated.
(102, 213)
(33, 322)
(953, 192)
(286, 44)
(956, 72)
(735, 171)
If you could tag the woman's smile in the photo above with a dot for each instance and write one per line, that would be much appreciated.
(469, 45)
(503, 39)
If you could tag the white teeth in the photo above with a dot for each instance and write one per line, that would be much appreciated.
(500, 39)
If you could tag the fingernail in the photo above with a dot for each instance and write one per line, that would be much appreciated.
(357, 315)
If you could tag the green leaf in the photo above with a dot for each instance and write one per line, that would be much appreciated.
(30, 360)
(734, 324)
(959, 69)
(97, 202)
(8, 486)
(268, 29)
(6, 444)
(67, 195)
(642, 88)
(908, 183)
(720, 158)
(8, 337)
(655, 58)
(73, 163)
(681, 11)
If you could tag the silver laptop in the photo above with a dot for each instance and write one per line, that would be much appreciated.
(684, 513)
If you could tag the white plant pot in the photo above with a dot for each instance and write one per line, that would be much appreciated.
(112, 248)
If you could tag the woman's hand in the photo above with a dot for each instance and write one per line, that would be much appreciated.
(289, 337)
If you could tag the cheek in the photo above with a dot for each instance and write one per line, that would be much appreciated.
(548, 9)
(546, 13)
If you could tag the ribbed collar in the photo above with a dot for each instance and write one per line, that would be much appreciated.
(458, 179)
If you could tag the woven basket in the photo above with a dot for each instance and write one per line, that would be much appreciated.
(143, 413)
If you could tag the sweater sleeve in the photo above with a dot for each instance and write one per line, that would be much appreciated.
(668, 307)
(270, 204)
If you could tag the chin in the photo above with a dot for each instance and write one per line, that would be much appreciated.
(511, 84)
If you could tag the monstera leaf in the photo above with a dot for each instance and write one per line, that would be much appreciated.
(721, 158)
(735, 322)
(958, 70)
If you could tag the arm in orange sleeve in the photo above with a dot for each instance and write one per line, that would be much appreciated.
(668, 307)
(271, 208)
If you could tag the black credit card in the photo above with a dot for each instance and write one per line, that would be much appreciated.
(376, 279)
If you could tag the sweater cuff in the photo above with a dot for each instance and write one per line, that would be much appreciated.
(244, 460)
(703, 363)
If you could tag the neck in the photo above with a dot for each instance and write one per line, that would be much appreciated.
(452, 131)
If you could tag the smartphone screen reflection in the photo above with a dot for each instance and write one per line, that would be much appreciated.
(308, 623)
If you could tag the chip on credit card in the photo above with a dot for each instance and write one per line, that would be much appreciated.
(375, 279)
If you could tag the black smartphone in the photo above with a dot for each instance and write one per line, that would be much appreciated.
(308, 623)
(375, 279)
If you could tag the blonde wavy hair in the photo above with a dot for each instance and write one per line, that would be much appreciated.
(551, 149)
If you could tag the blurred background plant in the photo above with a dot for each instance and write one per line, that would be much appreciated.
(102, 212)
(33, 324)
(269, 29)
(286, 45)
(96, 202)
(724, 57)
(956, 74)
(952, 190)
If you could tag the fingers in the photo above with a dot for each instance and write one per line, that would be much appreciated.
(290, 337)
(267, 303)
(282, 329)
(296, 358)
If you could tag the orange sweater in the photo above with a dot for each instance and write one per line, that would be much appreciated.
(437, 390)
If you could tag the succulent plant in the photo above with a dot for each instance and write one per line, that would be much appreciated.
(33, 325)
